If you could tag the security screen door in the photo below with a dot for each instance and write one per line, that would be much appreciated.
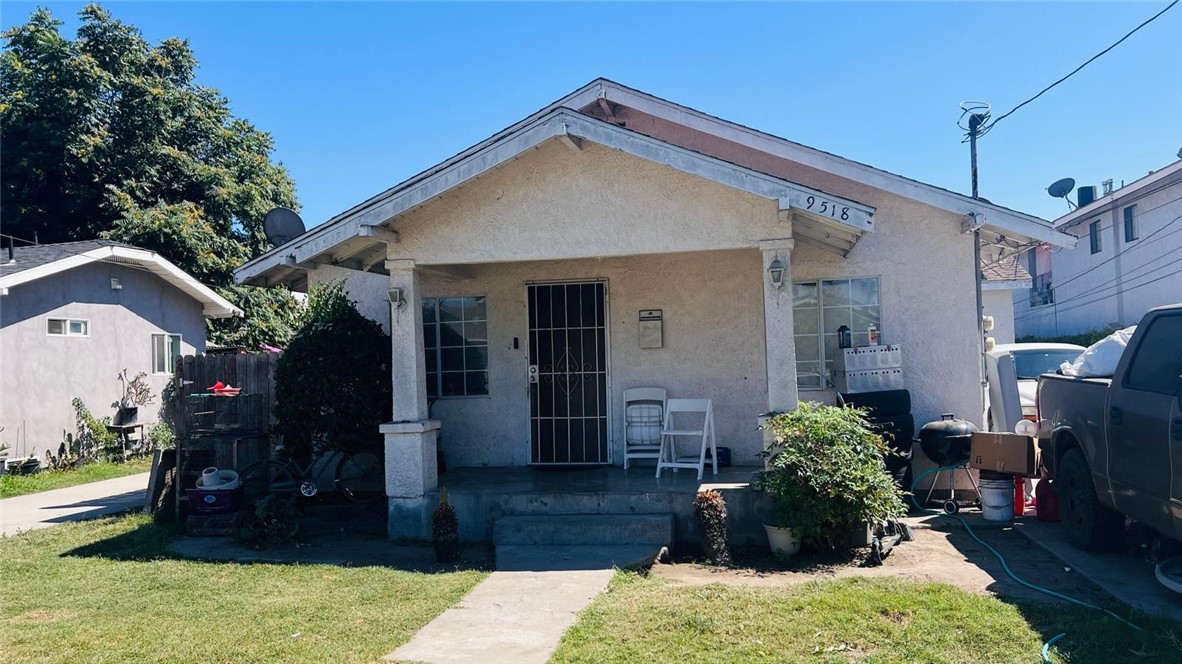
(568, 373)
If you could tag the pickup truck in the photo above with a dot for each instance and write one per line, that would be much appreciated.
(1114, 445)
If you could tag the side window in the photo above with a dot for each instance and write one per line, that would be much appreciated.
(1094, 237)
(1158, 361)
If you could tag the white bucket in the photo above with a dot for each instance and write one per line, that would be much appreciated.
(997, 500)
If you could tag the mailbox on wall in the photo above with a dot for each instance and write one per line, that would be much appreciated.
(651, 335)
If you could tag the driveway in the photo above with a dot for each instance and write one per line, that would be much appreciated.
(76, 503)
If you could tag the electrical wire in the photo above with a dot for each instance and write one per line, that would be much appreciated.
(1098, 299)
(1089, 61)
(1127, 250)
(1005, 566)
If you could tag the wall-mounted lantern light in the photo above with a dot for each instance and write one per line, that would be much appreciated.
(775, 273)
(397, 299)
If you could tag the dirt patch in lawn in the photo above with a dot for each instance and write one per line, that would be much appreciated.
(42, 616)
(943, 554)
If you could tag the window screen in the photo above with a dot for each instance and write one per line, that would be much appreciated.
(1158, 362)
(165, 349)
(455, 336)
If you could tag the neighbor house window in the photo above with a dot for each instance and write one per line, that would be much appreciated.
(1094, 236)
(165, 349)
(455, 336)
(1130, 223)
(67, 327)
(1041, 287)
(819, 308)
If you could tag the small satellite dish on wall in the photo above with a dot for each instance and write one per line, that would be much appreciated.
(1061, 188)
(282, 225)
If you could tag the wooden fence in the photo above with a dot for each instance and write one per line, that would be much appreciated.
(198, 411)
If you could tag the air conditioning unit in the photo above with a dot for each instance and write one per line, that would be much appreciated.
(1085, 195)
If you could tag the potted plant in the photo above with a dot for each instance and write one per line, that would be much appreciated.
(136, 393)
(825, 476)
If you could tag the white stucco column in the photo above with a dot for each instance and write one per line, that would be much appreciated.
(777, 319)
(411, 437)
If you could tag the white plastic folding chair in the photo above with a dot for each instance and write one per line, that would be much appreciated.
(703, 434)
(644, 417)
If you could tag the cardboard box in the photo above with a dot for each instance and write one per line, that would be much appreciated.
(1004, 453)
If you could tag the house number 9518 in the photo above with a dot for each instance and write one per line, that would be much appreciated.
(827, 207)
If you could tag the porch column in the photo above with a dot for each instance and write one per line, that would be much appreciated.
(411, 436)
(777, 319)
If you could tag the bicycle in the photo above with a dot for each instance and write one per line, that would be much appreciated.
(358, 476)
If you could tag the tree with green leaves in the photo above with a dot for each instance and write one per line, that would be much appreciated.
(107, 135)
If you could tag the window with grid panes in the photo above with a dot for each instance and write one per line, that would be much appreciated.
(455, 338)
(819, 308)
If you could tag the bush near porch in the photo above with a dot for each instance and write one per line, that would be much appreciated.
(332, 383)
(110, 591)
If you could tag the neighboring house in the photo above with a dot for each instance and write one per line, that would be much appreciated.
(74, 315)
(1000, 279)
(521, 269)
(1126, 262)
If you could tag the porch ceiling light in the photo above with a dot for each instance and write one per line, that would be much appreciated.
(775, 273)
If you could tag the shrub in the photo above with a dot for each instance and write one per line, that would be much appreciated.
(161, 436)
(274, 521)
(1084, 339)
(826, 475)
(445, 530)
(332, 383)
(92, 439)
(710, 510)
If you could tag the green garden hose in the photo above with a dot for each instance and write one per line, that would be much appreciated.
(1005, 566)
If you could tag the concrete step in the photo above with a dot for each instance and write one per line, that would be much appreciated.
(584, 529)
(550, 558)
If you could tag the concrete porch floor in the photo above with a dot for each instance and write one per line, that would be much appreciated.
(483, 495)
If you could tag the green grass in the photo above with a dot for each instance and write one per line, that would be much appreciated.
(19, 485)
(108, 591)
(853, 619)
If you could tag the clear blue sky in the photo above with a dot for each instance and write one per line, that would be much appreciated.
(361, 96)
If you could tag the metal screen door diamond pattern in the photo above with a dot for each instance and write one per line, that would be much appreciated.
(568, 347)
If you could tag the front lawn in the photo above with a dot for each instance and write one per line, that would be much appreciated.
(852, 619)
(109, 591)
(19, 485)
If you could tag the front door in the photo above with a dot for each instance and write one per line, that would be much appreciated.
(568, 373)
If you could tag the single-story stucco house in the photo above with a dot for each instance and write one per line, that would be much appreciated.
(73, 315)
(516, 279)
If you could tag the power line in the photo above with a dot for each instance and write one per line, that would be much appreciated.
(1057, 310)
(1128, 249)
(1076, 70)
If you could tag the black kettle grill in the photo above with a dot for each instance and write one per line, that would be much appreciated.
(947, 441)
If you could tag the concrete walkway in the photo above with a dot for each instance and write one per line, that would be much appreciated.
(510, 618)
(76, 503)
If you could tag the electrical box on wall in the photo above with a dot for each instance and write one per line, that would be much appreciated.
(651, 335)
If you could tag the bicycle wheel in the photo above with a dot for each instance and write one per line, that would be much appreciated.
(361, 477)
(266, 477)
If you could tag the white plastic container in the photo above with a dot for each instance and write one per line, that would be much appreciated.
(871, 380)
(997, 500)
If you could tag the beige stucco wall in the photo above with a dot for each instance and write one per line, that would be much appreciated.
(1000, 305)
(41, 374)
(554, 203)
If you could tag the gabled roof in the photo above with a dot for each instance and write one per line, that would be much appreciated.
(572, 127)
(32, 262)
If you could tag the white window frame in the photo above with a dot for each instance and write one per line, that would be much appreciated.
(437, 350)
(169, 358)
(66, 324)
(825, 379)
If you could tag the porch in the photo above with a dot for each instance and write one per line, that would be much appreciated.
(483, 495)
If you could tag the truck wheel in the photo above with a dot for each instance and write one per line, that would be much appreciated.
(1090, 525)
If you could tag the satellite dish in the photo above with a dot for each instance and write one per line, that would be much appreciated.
(1060, 188)
(282, 225)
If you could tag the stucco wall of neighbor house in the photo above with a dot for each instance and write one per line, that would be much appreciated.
(1000, 304)
(1121, 282)
(40, 374)
(366, 289)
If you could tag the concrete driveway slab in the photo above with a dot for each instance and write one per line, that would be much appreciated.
(76, 503)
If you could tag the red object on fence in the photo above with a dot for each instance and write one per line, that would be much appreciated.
(1048, 502)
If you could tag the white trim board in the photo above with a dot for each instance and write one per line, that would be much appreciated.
(214, 305)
